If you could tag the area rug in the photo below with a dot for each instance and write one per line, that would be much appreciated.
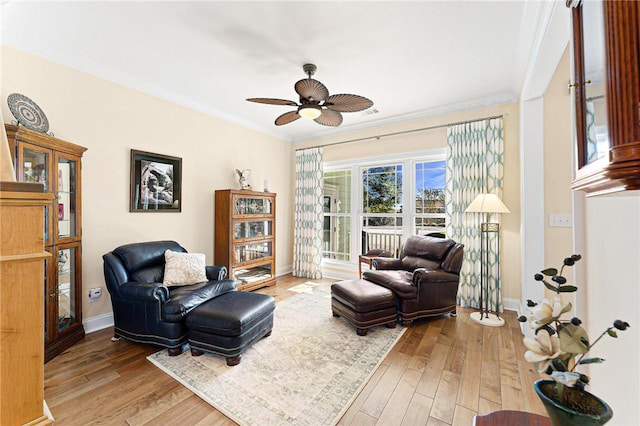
(307, 372)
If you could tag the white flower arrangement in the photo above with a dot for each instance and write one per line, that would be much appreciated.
(559, 345)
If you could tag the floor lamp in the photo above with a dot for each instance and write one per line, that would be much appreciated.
(487, 204)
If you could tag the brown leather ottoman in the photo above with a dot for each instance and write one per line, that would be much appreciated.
(364, 304)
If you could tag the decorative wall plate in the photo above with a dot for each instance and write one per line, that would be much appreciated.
(27, 113)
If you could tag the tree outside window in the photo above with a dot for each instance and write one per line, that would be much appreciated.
(382, 207)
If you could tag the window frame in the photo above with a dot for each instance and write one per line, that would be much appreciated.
(336, 216)
(415, 215)
(409, 215)
(361, 217)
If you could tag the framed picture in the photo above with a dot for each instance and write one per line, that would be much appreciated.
(156, 182)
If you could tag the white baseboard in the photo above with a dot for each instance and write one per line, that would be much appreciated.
(516, 305)
(284, 270)
(337, 275)
(46, 411)
(98, 322)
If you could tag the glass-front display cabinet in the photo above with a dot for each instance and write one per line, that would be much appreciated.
(606, 91)
(245, 236)
(56, 164)
(62, 293)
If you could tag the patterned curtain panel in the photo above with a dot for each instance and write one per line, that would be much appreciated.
(592, 142)
(307, 227)
(475, 157)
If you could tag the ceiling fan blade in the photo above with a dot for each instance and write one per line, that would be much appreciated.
(287, 118)
(329, 118)
(311, 90)
(347, 103)
(272, 101)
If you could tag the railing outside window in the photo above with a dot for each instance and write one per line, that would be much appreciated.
(384, 239)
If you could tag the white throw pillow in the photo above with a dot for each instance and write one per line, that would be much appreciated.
(184, 268)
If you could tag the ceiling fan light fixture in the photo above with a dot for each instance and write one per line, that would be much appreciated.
(310, 112)
(315, 102)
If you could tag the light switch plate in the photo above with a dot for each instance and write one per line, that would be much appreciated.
(561, 220)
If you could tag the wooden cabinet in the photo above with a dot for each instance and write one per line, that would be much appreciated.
(606, 53)
(245, 236)
(57, 165)
(22, 258)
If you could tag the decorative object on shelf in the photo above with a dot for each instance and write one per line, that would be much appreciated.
(60, 180)
(558, 348)
(28, 113)
(266, 185)
(156, 182)
(489, 257)
(243, 175)
(63, 258)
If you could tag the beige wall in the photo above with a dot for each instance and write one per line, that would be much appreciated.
(436, 138)
(7, 172)
(110, 120)
(558, 168)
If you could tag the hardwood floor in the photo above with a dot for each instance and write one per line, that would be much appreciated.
(443, 371)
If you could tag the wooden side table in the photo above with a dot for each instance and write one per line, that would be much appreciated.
(368, 258)
(511, 418)
(364, 259)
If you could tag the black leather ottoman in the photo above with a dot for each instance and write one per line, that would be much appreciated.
(230, 323)
(364, 304)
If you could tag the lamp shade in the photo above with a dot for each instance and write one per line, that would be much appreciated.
(487, 203)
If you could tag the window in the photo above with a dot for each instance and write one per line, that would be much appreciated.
(336, 235)
(378, 202)
(382, 208)
(429, 200)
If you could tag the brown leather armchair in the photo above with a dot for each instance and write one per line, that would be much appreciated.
(424, 278)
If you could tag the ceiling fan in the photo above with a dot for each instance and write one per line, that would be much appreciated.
(315, 102)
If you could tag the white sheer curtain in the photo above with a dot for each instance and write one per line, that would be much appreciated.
(308, 216)
(475, 157)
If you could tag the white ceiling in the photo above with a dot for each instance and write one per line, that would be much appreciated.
(412, 59)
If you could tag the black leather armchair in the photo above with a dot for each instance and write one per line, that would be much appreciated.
(144, 309)
(424, 278)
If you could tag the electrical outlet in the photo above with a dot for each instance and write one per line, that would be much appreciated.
(561, 220)
(94, 294)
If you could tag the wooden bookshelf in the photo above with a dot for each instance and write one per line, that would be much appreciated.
(244, 236)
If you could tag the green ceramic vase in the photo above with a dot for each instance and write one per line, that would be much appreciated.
(587, 409)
